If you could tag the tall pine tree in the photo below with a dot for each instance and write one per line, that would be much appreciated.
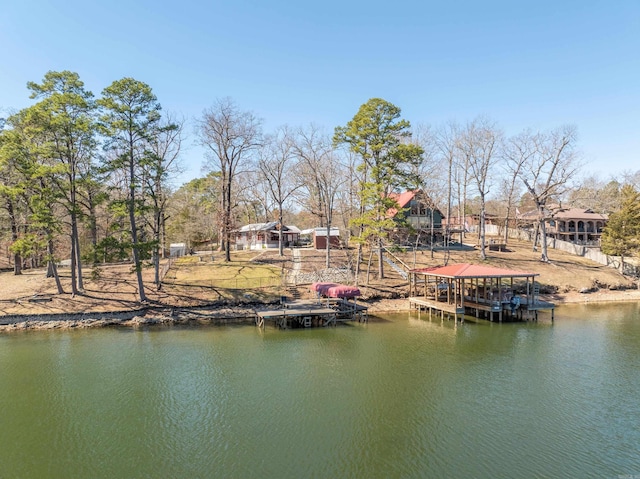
(621, 236)
(380, 138)
(130, 119)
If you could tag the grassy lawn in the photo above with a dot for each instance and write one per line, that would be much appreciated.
(240, 273)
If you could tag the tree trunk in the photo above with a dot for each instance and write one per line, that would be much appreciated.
(53, 268)
(221, 240)
(328, 246)
(380, 259)
(76, 262)
(156, 248)
(281, 226)
(536, 233)
(358, 261)
(482, 233)
(17, 260)
(505, 236)
(227, 224)
(134, 230)
(447, 230)
(464, 201)
(163, 237)
(481, 230)
(93, 227)
(74, 286)
(80, 277)
(543, 238)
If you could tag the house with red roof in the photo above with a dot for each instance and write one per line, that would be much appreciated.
(416, 209)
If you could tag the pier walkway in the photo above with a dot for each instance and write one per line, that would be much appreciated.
(312, 313)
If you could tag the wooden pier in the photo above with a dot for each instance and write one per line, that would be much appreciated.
(463, 288)
(312, 313)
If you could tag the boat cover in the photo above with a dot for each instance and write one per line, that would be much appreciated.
(343, 291)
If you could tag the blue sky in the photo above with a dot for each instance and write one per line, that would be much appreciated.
(523, 64)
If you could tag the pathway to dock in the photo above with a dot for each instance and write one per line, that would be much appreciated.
(297, 266)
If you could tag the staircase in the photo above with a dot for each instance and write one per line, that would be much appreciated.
(398, 269)
(401, 270)
(293, 294)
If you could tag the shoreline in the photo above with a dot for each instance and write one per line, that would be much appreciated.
(221, 314)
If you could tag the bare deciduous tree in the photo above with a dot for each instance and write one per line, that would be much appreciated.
(321, 176)
(516, 153)
(479, 143)
(445, 142)
(162, 161)
(277, 164)
(551, 165)
(231, 137)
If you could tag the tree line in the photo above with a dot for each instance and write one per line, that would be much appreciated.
(89, 179)
(85, 178)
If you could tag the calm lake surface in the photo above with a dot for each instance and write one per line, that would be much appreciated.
(397, 398)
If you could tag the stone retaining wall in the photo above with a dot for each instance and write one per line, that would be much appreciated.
(331, 275)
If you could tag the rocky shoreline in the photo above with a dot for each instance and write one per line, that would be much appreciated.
(224, 313)
(148, 316)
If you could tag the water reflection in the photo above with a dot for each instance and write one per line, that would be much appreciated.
(403, 397)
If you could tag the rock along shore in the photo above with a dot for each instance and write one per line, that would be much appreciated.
(224, 313)
(147, 316)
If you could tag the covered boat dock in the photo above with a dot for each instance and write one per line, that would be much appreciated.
(461, 288)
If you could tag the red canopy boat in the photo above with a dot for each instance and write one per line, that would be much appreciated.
(322, 288)
(343, 291)
(333, 290)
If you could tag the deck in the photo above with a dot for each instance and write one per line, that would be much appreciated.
(426, 303)
(499, 308)
(312, 313)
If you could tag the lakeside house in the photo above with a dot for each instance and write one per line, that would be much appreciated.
(257, 236)
(575, 225)
(319, 237)
(417, 211)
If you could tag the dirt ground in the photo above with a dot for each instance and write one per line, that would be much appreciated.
(566, 278)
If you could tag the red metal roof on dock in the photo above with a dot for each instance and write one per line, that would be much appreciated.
(466, 270)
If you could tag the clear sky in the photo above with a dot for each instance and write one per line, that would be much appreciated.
(537, 64)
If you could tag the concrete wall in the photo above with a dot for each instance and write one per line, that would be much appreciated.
(594, 254)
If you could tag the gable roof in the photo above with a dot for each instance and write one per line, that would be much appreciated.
(566, 214)
(467, 270)
(579, 214)
(403, 199)
(267, 227)
(258, 227)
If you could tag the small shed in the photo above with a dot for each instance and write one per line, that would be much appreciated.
(177, 249)
(319, 237)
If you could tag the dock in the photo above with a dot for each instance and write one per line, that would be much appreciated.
(312, 313)
(467, 289)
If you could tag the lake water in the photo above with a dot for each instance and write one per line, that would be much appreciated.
(397, 398)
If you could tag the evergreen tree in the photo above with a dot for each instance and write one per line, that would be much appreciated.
(130, 119)
(378, 135)
(621, 236)
(63, 124)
